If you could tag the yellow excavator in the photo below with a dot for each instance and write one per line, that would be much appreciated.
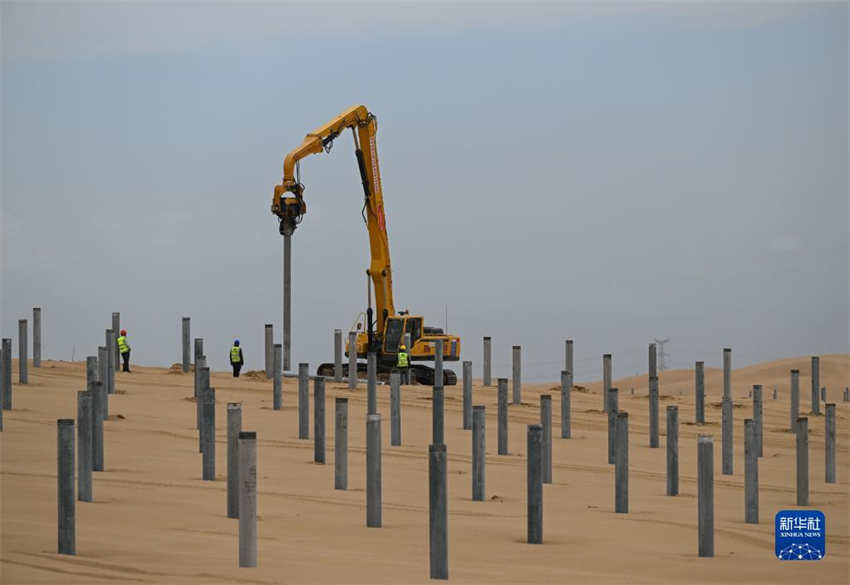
(384, 330)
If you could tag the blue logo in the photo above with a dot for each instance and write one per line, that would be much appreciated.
(800, 535)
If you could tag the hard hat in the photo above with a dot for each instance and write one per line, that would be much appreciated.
(123, 332)
(235, 342)
(403, 348)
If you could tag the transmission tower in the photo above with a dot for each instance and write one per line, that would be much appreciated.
(662, 363)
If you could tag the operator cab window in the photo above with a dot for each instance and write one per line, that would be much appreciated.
(395, 328)
(414, 327)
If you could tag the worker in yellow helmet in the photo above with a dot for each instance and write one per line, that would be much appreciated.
(236, 358)
(403, 364)
(124, 350)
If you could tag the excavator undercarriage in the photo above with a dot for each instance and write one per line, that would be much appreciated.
(423, 374)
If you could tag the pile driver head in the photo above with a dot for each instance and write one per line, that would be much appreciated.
(288, 208)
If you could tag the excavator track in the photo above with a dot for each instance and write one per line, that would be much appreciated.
(327, 370)
(424, 374)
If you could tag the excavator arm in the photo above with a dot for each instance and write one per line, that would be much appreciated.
(289, 206)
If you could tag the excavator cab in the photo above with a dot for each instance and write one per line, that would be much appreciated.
(395, 330)
(413, 325)
(393, 334)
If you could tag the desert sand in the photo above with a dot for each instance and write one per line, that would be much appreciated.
(153, 519)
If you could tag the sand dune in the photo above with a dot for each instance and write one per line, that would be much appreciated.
(154, 521)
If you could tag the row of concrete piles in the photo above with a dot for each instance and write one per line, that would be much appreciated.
(23, 359)
(241, 499)
(92, 411)
(539, 442)
(80, 441)
(753, 436)
(241, 459)
(6, 387)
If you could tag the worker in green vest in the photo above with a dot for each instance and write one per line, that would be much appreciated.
(236, 358)
(124, 350)
(404, 364)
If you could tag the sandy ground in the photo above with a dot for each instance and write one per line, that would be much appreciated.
(154, 521)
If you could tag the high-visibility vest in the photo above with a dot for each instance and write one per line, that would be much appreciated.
(122, 344)
(234, 354)
(402, 359)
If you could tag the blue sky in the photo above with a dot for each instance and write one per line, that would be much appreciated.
(609, 173)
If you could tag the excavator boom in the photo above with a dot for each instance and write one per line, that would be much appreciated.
(385, 336)
(289, 209)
